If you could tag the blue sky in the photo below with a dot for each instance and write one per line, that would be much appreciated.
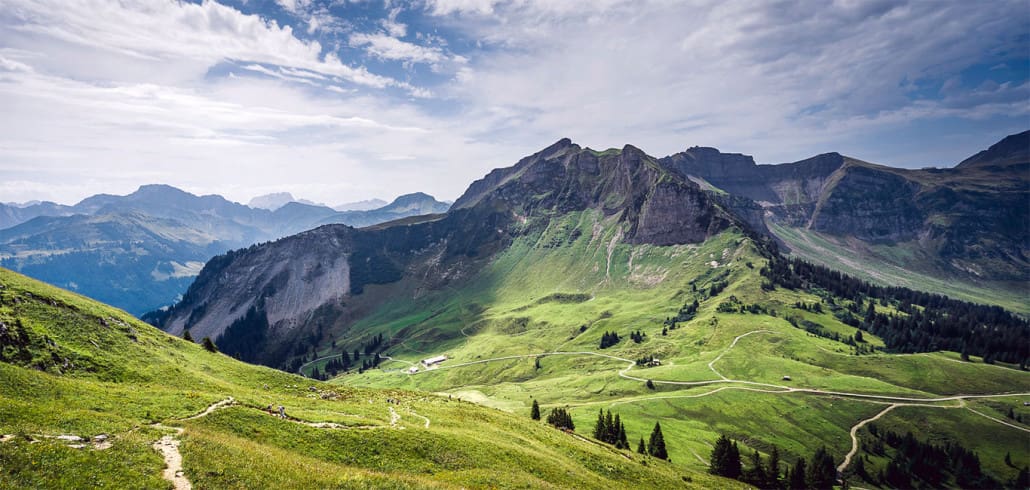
(341, 100)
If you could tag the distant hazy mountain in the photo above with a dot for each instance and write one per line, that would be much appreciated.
(15, 213)
(404, 206)
(272, 201)
(366, 205)
(277, 200)
(140, 251)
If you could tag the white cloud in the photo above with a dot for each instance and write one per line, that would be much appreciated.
(743, 76)
(392, 27)
(207, 33)
(391, 48)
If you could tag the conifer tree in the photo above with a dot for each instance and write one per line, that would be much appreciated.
(186, 336)
(599, 428)
(623, 441)
(772, 472)
(613, 435)
(640, 446)
(609, 427)
(797, 476)
(823, 474)
(209, 345)
(535, 412)
(755, 475)
(725, 459)
(656, 446)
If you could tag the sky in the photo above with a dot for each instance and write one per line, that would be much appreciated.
(343, 100)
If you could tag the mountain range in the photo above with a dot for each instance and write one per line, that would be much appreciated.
(142, 250)
(674, 289)
(966, 223)
(675, 292)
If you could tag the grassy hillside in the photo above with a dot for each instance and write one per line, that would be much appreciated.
(901, 264)
(73, 367)
(529, 328)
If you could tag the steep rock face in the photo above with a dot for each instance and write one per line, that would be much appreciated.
(787, 184)
(658, 206)
(869, 204)
(283, 281)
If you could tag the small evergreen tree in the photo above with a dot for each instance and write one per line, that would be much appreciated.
(209, 345)
(656, 446)
(772, 472)
(600, 429)
(186, 336)
(535, 412)
(650, 385)
(797, 476)
(640, 446)
(755, 475)
(823, 474)
(725, 460)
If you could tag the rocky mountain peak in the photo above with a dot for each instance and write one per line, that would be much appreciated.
(1012, 150)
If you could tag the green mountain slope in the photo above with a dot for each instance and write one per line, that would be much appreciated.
(529, 327)
(74, 368)
(560, 279)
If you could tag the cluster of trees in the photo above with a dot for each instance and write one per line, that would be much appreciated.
(245, 338)
(733, 305)
(337, 365)
(644, 361)
(609, 339)
(685, 314)
(370, 363)
(813, 307)
(637, 337)
(561, 419)
(373, 344)
(929, 321)
(857, 341)
(717, 287)
(916, 463)
(726, 461)
(610, 430)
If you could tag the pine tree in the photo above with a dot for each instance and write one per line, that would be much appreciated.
(186, 336)
(797, 476)
(614, 434)
(736, 469)
(609, 428)
(640, 446)
(599, 428)
(209, 345)
(1023, 479)
(650, 385)
(823, 474)
(772, 472)
(535, 412)
(656, 446)
(623, 441)
(755, 475)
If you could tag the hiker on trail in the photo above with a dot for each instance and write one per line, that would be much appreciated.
(282, 412)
